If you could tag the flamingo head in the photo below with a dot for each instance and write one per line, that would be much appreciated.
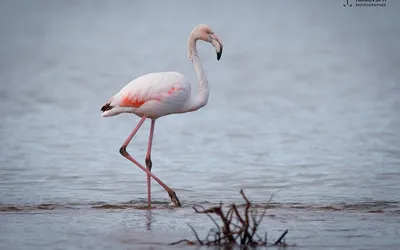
(204, 32)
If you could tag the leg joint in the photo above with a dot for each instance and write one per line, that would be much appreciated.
(148, 163)
(122, 150)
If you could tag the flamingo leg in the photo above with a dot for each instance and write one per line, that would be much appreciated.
(124, 153)
(148, 161)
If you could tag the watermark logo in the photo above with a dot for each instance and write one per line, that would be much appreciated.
(347, 4)
(365, 3)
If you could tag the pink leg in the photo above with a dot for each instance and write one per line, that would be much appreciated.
(148, 161)
(123, 152)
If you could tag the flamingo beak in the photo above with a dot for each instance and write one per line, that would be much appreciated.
(217, 45)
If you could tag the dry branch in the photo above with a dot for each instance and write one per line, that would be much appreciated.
(236, 229)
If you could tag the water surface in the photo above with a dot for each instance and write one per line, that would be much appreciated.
(304, 106)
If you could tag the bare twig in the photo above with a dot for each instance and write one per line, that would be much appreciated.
(204, 211)
(195, 233)
(235, 228)
(280, 238)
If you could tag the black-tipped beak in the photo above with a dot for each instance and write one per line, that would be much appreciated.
(217, 45)
(219, 54)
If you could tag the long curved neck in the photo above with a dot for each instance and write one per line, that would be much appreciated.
(201, 99)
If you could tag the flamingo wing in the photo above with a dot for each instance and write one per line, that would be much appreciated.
(153, 95)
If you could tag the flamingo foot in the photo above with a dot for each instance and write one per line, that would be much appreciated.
(174, 199)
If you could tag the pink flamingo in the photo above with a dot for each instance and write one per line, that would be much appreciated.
(163, 93)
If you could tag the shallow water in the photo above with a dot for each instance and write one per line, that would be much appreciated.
(304, 106)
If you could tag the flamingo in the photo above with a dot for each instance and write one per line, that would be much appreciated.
(158, 94)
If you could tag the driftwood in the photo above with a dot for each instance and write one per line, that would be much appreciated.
(236, 229)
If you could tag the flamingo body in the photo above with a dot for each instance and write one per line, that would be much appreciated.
(152, 95)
